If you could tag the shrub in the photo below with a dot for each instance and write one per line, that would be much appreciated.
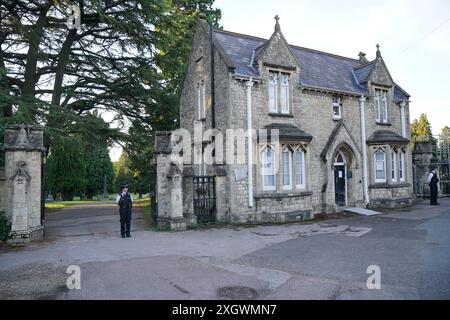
(5, 226)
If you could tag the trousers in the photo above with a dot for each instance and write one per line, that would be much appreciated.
(125, 221)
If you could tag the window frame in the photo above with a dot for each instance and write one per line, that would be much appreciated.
(287, 150)
(338, 104)
(277, 85)
(301, 186)
(381, 100)
(394, 166)
(402, 167)
(273, 85)
(263, 174)
(377, 105)
(380, 151)
(284, 91)
(385, 107)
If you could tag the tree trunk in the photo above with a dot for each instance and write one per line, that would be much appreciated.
(63, 60)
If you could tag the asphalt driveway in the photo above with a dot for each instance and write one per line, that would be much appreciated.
(317, 260)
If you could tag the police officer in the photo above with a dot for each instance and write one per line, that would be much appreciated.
(433, 181)
(125, 202)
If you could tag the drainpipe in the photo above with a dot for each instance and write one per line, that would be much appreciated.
(402, 115)
(249, 85)
(213, 93)
(362, 101)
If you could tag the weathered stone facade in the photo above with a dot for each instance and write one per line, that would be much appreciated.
(315, 79)
(23, 183)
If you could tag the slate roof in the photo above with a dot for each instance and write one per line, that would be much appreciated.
(383, 136)
(288, 132)
(320, 70)
(362, 72)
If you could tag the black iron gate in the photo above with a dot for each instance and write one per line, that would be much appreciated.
(205, 198)
(43, 193)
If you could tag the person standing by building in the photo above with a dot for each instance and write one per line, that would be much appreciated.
(433, 181)
(125, 201)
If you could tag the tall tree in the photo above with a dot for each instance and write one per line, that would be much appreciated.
(421, 131)
(127, 59)
(99, 174)
(65, 168)
(123, 173)
(53, 75)
(444, 143)
(177, 30)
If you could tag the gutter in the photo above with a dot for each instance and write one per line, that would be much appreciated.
(213, 94)
(362, 101)
(249, 85)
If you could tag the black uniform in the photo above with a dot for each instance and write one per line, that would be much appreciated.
(434, 189)
(125, 204)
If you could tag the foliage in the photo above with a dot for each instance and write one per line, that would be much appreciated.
(421, 130)
(124, 174)
(99, 170)
(177, 31)
(127, 61)
(5, 226)
(65, 168)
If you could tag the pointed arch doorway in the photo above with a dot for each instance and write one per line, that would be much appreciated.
(340, 179)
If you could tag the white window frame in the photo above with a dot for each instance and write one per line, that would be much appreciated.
(394, 161)
(402, 166)
(288, 151)
(302, 185)
(385, 107)
(274, 86)
(377, 105)
(284, 91)
(377, 151)
(381, 101)
(338, 104)
(264, 170)
(277, 87)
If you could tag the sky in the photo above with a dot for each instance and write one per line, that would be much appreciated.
(414, 36)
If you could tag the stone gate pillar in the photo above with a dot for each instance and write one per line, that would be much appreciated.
(24, 150)
(424, 162)
(169, 181)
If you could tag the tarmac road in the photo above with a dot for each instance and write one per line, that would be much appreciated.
(318, 260)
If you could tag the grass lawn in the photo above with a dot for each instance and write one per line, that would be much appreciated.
(145, 205)
(64, 204)
(145, 202)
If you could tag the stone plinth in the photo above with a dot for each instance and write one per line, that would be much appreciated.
(23, 172)
(169, 181)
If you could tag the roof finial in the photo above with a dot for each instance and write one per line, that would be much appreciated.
(277, 24)
(378, 51)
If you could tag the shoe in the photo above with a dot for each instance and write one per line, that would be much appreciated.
(128, 235)
(437, 204)
(123, 236)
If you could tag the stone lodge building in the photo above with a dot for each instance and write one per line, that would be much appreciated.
(343, 128)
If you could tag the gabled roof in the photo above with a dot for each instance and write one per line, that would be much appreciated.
(320, 70)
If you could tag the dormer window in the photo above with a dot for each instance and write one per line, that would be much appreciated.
(381, 105)
(279, 92)
(337, 108)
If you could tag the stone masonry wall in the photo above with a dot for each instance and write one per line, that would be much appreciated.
(311, 111)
